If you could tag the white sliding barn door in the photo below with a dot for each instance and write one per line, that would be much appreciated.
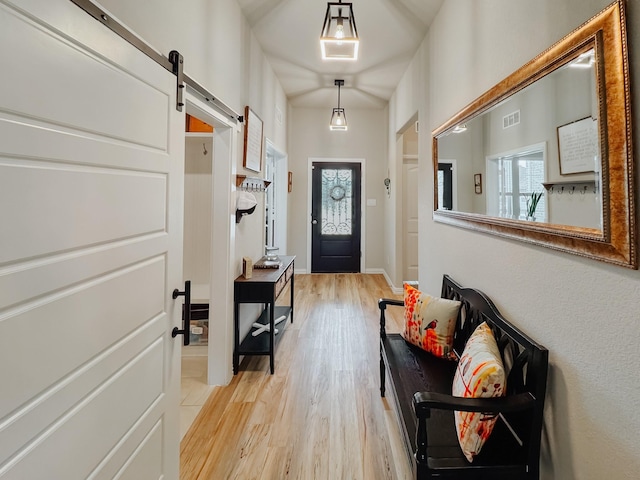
(91, 192)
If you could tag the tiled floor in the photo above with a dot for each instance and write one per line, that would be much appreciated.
(194, 390)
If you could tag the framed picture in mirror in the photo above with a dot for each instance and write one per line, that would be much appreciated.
(578, 146)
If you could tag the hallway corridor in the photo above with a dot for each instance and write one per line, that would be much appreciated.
(320, 415)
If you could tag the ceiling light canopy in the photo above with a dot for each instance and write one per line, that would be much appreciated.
(338, 117)
(339, 38)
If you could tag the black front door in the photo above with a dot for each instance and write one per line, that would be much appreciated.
(335, 217)
(445, 186)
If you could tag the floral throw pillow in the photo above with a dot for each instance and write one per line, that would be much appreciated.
(430, 322)
(480, 373)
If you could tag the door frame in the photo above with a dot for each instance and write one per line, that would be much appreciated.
(363, 217)
(225, 135)
(280, 172)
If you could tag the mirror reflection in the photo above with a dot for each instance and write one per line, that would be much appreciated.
(545, 156)
(533, 157)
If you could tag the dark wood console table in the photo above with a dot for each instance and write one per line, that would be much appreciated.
(264, 286)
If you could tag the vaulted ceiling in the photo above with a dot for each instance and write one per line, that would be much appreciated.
(390, 32)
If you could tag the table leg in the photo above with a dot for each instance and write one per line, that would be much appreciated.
(236, 344)
(292, 275)
(272, 333)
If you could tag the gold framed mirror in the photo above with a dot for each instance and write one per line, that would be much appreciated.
(545, 156)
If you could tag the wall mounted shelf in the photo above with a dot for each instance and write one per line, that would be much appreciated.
(570, 186)
(251, 184)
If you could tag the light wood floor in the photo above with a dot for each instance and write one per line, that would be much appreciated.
(194, 389)
(320, 416)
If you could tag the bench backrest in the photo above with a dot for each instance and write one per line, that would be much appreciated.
(525, 361)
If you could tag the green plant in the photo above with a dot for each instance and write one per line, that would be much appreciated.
(532, 203)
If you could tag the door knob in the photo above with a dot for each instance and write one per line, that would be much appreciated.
(186, 313)
(314, 221)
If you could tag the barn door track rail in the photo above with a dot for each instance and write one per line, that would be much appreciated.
(174, 63)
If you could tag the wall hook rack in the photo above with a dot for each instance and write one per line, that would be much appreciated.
(251, 184)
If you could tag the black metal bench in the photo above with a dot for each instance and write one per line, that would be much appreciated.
(420, 386)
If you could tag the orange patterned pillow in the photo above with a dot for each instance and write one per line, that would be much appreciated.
(480, 373)
(430, 322)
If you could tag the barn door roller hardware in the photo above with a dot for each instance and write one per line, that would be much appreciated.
(178, 63)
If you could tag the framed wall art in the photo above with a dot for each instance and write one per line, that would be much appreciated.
(253, 128)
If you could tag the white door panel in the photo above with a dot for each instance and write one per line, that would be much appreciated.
(83, 430)
(138, 466)
(54, 402)
(36, 139)
(97, 323)
(39, 276)
(91, 188)
(87, 85)
(53, 197)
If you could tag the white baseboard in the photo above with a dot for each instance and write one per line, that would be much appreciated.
(382, 271)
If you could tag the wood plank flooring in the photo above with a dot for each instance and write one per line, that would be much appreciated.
(320, 415)
(194, 390)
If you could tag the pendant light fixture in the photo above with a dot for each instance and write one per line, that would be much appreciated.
(338, 117)
(339, 38)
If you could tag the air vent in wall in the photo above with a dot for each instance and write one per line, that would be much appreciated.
(511, 119)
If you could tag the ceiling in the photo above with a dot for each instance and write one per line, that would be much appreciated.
(390, 32)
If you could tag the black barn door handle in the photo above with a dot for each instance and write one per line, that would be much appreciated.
(186, 312)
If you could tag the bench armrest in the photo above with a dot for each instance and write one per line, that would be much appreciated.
(423, 402)
(383, 302)
(382, 305)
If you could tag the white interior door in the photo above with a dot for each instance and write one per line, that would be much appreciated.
(410, 220)
(91, 180)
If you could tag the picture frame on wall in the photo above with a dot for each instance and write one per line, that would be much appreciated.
(253, 134)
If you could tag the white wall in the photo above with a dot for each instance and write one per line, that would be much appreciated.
(197, 210)
(584, 311)
(310, 137)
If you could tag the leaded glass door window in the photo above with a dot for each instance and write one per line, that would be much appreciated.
(337, 201)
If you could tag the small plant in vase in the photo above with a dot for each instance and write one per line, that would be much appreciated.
(532, 204)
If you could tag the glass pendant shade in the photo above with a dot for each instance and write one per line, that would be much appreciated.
(339, 39)
(338, 120)
(338, 117)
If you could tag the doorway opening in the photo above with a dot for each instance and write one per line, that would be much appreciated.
(276, 198)
(198, 165)
(408, 146)
(209, 252)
